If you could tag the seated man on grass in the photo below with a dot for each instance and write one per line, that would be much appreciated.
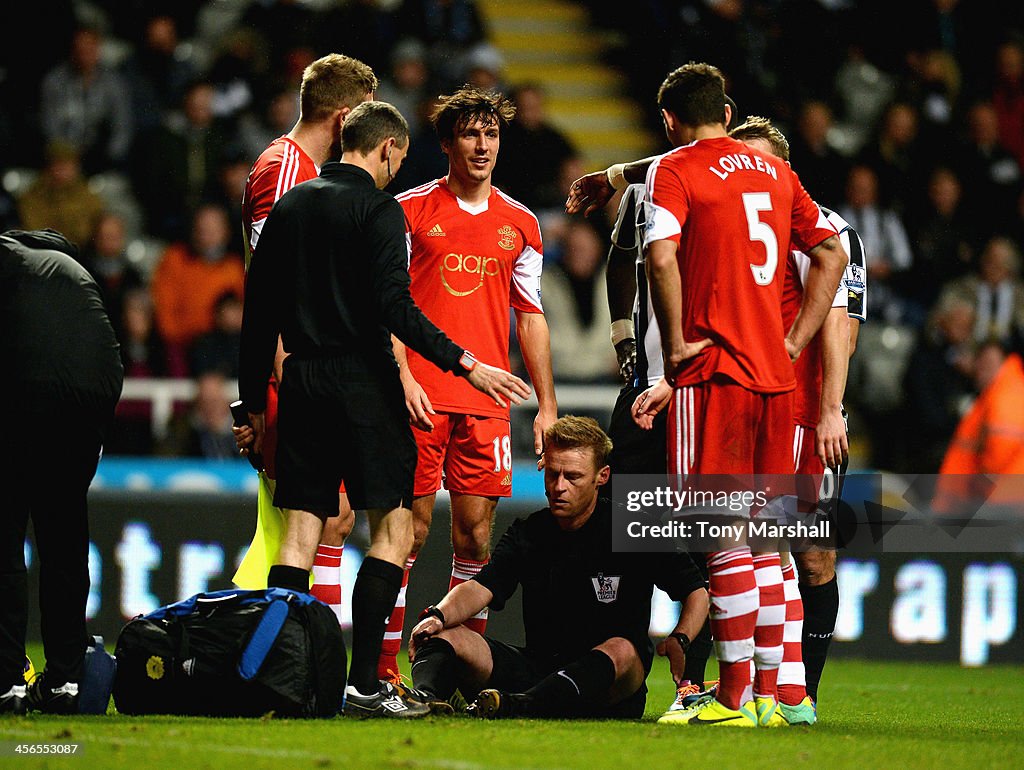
(586, 608)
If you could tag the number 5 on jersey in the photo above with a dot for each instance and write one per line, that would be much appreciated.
(753, 205)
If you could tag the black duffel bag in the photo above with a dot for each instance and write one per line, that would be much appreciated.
(233, 653)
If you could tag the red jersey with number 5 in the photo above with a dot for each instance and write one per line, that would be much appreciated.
(733, 212)
(468, 264)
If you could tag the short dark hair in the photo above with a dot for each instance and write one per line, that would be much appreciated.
(468, 105)
(756, 127)
(695, 94)
(571, 432)
(333, 82)
(735, 118)
(369, 124)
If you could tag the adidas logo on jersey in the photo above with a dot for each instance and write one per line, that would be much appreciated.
(435, 232)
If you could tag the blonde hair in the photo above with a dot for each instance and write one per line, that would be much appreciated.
(333, 82)
(756, 127)
(571, 432)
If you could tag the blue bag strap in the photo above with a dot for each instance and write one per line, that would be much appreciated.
(263, 638)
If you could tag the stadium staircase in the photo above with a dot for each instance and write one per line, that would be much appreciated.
(551, 43)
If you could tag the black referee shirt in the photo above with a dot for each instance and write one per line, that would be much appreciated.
(331, 277)
(577, 592)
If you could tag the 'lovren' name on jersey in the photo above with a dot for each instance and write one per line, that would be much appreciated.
(468, 264)
(733, 213)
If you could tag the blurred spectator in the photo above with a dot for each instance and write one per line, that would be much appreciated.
(86, 104)
(996, 293)
(283, 25)
(425, 161)
(938, 382)
(1008, 97)
(142, 350)
(60, 197)
(106, 260)
(988, 170)
(575, 304)
(232, 175)
(143, 355)
(886, 246)
(205, 430)
(128, 18)
(237, 69)
(256, 131)
(362, 29)
(218, 350)
(449, 28)
(942, 250)
(406, 87)
(156, 76)
(482, 67)
(178, 163)
(864, 90)
(932, 87)
(894, 158)
(532, 152)
(192, 277)
(990, 438)
(821, 168)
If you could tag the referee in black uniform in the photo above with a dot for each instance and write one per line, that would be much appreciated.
(62, 380)
(586, 608)
(330, 277)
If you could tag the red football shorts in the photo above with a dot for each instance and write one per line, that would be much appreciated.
(719, 426)
(472, 454)
(270, 433)
(810, 470)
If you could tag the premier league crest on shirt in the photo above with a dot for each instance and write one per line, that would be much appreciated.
(507, 238)
(606, 587)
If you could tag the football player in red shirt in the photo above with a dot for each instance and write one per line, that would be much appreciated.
(720, 218)
(331, 87)
(819, 442)
(474, 252)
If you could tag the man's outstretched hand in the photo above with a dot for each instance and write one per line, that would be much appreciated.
(500, 385)
(589, 193)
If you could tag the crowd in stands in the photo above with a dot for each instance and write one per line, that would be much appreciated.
(132, 126)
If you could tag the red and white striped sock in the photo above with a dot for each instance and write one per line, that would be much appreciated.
(327, 577)
(792, 681)
(771, 619)
(463, 570)
(734, 601)
(387, 663)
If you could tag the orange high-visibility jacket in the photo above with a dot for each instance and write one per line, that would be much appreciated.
(990, 437)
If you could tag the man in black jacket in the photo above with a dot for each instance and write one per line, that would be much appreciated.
(331, 278)
(63, 378)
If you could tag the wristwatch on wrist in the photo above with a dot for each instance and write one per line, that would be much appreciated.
(432, 612)
(683, 639)
(468, 362)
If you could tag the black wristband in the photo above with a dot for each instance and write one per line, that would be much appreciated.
(683, 639)
(432, 612)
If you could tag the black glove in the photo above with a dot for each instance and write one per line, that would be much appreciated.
(625, 352)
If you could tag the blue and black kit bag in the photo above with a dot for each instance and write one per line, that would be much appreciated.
(233, 653)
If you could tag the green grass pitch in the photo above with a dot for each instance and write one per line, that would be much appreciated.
(872, 715)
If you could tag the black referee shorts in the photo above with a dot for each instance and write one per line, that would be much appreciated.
(339, 420)
(513, 670)
(635, 450)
